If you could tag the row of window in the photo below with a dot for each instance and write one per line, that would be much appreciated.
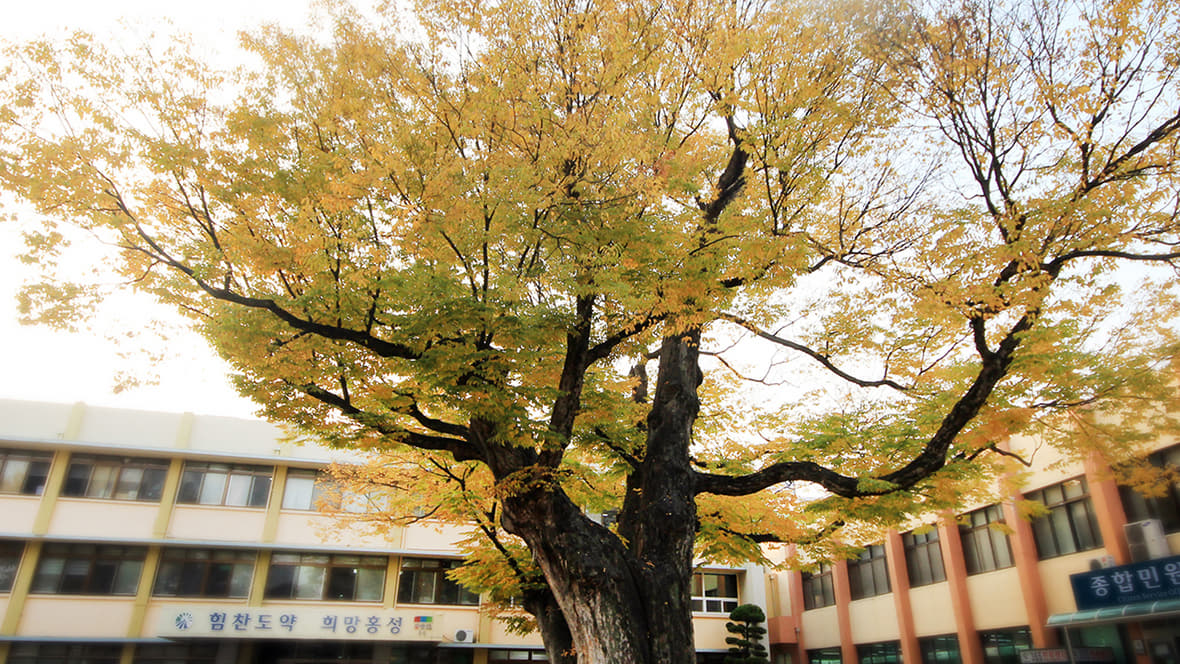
(1069, 526)
(274, 650)
(999, 647)
(106, 569)
(142, 479)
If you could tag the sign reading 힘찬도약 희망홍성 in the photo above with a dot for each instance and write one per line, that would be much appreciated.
(1147, 581)
(310, 623)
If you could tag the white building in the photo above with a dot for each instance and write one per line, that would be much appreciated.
(140, 537)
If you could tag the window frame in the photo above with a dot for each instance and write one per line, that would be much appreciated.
(1166, 507)
(11, 552)
(868, 574)
(1071, 526)
(881, 652)
(924, 565)
(205, 562)
(707, 598)
(23, 652)
(819, 586)
(290, 576)
(1017, 640)
(939, 649)
(29, 483)
(409, 586)
(824, 656)
(201, 493)
(984, 526)
(110, 477)
(127, 562)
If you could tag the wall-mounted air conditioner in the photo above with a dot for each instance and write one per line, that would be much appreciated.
(464, 636)
(1146, 540)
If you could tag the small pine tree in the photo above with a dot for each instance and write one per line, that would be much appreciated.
(746, 647)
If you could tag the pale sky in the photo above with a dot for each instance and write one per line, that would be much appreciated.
(44, 365)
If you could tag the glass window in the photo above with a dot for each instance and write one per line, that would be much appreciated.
(10, 553)
(425, 581)
(323, 576)
(824, 656)
(714, 592)
(1003, 646)
(176, 653)
(204, 573)
(224, 484)
(65, 653)
(1070, 525)
(88, 569)
(985, 544)
(1166, 505)
(923, 558)
(817, 588)
(868, 575)
(118, 478)
(879, 653)
(940, 649)
(24, 472)
(511, 656)
(302, 490)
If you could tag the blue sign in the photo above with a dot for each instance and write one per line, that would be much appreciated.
(1148, 581)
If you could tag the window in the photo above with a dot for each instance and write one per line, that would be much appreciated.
(923, 558)
(868, 575)
(824, 656)
(817, 588)
(940, 649)
(120, 478)
(310, 490)
(65, 653)
(204, 573)
(879, 653)
(714, 592)
(88, 569)
(176, 653)
(985, 544)
(224, 484)
(1003, 646)
(323, 576)
(10, 553)
(424, 581)
(510, 656)
(23, 472)
(1070, 524)
(302, 490)
(1165, 507)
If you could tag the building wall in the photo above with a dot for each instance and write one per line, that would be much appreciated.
(260, 533)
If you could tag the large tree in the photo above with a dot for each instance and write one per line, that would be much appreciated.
(536, 250)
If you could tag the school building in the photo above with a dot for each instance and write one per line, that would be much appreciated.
(141, 537)
(132, 537)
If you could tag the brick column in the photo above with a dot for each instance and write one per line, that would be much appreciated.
(970, 649)
(843, 591)
(899, 580)
(1024, 554)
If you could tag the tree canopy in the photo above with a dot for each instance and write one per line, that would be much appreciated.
(697, 262)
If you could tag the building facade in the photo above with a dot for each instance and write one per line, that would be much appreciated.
(132, 537)
(989, 586)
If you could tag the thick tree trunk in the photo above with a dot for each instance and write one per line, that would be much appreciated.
(625, 601)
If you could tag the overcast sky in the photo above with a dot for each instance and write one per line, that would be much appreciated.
(43, 365)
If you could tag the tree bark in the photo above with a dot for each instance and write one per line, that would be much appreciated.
(625, 602)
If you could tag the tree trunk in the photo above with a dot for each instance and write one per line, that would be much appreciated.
(625, 601)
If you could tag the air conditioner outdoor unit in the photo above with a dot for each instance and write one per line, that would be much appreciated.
(1146, 540)
(464, 636)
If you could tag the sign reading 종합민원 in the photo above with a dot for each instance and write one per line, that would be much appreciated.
(1147, 581)
(308, 623)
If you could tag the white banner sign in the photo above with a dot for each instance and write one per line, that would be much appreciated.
(314, 623)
